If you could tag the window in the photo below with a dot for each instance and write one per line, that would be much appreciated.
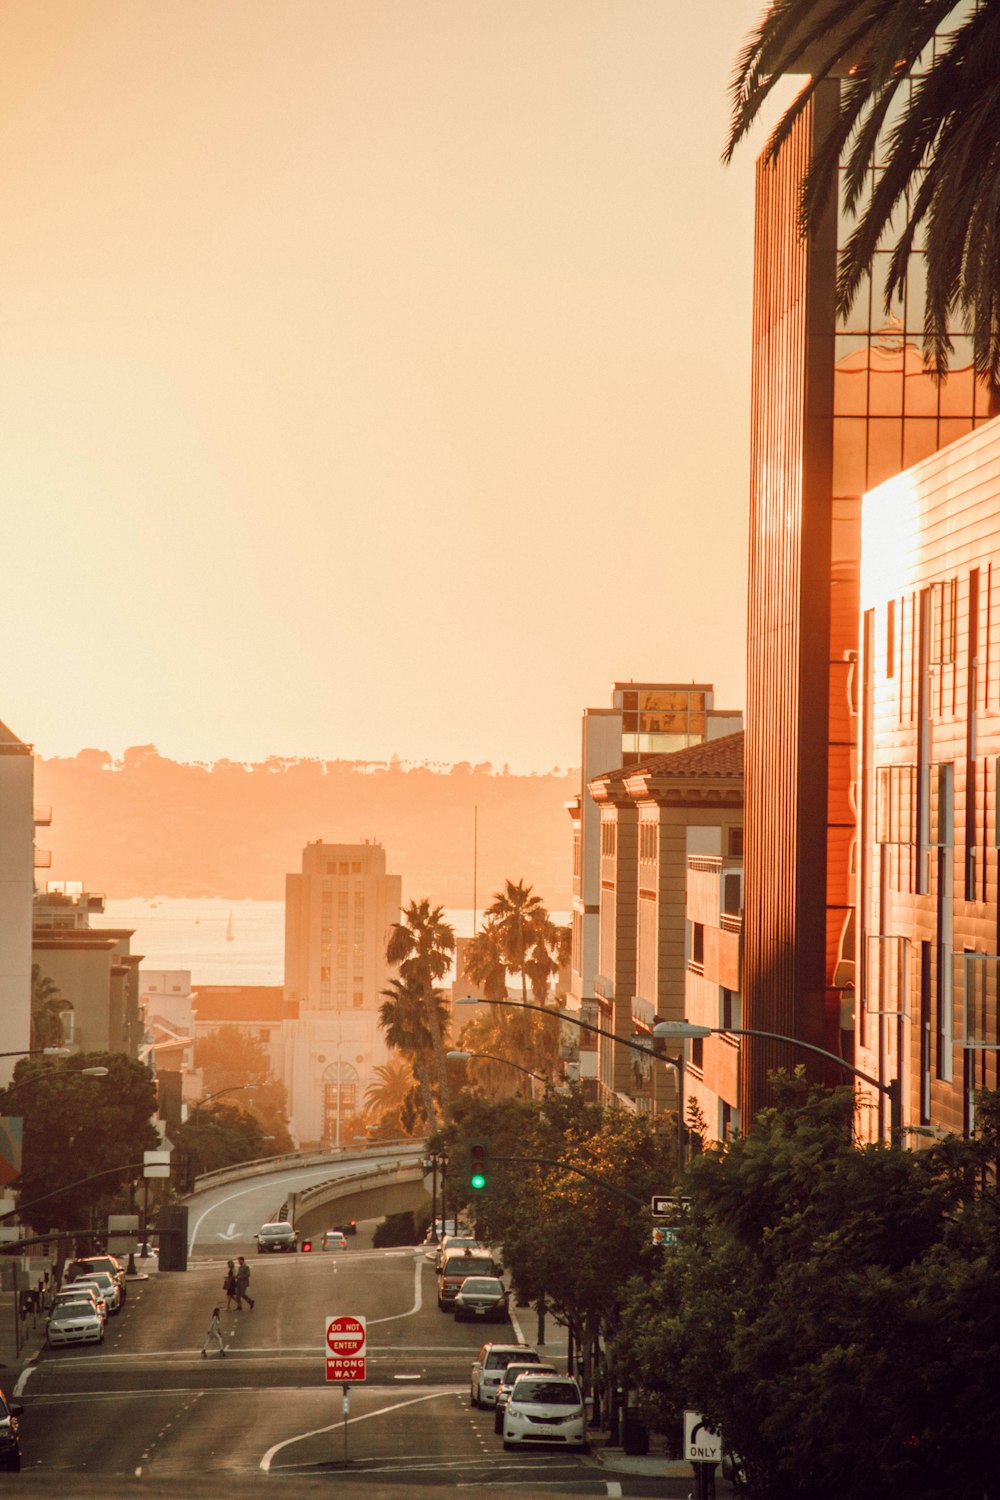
(890, 639)
(895, 804)
(886, 989)
(730, 1010)
(698, 1052)
(609, 833)
(976, 983)
(941, 823)
(647, 840)
(942, 641)
(359, 999)
(698, 944)
(734, 843)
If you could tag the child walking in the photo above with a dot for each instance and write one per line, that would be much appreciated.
(214, 1332)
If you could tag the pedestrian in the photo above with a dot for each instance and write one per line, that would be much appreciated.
(214, 1332)
(243, 1284)
(230, 1288)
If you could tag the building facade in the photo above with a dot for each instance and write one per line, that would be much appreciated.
(644, 719)
(930, 765)
(338, 911)
(838, 406)
(656, 816)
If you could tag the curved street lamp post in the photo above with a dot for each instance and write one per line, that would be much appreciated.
(891, 1091)
(623, 1041)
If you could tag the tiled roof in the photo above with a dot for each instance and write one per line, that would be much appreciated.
(721, 757)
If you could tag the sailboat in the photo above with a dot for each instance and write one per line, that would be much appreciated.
(230, 934)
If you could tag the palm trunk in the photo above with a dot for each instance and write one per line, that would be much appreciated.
(426, 1093)
(440, 1061)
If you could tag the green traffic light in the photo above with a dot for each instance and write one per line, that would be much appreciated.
(477, 1181)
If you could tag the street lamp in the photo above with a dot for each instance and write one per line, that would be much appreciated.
(681, 1030)
(455, 1055)
(38, 1052)
(560, 1015)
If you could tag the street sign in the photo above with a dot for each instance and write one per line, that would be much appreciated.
(702, 1444)
(156, 1164)
(664, 1235)
(670, 1206)
(346, 1337)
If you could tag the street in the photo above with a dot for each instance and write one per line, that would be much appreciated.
(145, 1409)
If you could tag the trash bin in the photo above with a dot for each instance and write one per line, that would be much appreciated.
(635, 1434)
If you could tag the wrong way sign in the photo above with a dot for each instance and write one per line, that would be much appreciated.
(346, 1338)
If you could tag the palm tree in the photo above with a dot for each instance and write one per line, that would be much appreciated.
(514, 913)
(405, 1017)
(927, 101)
(484, 962)
(422, 945)
(48, 1006)
(387, 1092)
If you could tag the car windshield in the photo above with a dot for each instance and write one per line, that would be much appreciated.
(547, 1392)
(468, 1265)
(68, 1311)
(499, 1359)
(478, 1285)
(513, 1371)
(97, 1278)
(276, 1231)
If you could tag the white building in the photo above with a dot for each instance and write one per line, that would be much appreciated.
(338, 911)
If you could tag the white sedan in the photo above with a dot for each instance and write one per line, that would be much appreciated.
(75, 1323)
(106, 1284)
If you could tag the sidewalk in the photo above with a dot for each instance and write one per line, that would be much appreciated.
(655, 1465)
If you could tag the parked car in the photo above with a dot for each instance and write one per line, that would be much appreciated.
(513, 1370)
(545, 1409)
(487, 1370)
(10, 1437)
(482, 1297)
(507, 1385)
(109, 1263)
(334, 1239)
(75, 1323)
(107, 1285)
(455, 1242)
(83, 1291)
(276, 1236)
(456, 1266)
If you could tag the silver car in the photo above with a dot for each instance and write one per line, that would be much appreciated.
(75, 1323)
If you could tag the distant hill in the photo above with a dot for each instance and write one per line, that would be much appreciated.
(148, 826)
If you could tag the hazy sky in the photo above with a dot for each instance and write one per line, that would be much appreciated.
(375, 373)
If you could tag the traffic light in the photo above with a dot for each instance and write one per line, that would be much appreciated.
(306, 1246)
(479, 1165)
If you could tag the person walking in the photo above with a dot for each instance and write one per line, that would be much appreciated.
(243, 1284)
(230, 1288)
(214, 1332)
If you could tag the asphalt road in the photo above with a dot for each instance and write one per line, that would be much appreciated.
(146, 1412)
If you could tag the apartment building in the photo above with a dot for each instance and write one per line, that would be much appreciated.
(656, 816)
(644, 719)
(929, 808)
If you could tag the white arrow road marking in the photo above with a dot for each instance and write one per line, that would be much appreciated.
(230, 1233)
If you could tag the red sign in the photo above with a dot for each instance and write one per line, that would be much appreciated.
(345, 1344)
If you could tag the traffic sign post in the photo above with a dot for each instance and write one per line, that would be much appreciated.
(703, 1450)
(346, 1339)
(672, 1206)
(345, 1349)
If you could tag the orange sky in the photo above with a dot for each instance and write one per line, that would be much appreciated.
(375, 374)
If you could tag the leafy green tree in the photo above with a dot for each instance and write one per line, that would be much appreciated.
(833, 1309)
(48, 1007)
(221, 1134)
(484, 961)
(422, 945)
(84, 1137)
(514, 914)
(230, 1059)
(386, 1094)
(932, 106)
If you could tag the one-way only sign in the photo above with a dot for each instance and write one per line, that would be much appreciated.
(346, 1338)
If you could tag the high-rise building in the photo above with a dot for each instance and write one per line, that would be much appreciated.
(838, 406)
(338, 911)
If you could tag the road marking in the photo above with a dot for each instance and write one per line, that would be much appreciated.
(23, 1378)
(230, 1233)
(381, 1411)
(417, 1301)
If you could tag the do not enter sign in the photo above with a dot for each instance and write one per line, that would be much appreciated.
(345, 1348)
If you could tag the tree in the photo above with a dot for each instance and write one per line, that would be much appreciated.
(221, 1134)
(48, 1006)
(929, 97)
(84, 1137)
(229, 1059)
(833, 1309)
(484, 961)
(404, 1016)
(422, 945)
(514, 915)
